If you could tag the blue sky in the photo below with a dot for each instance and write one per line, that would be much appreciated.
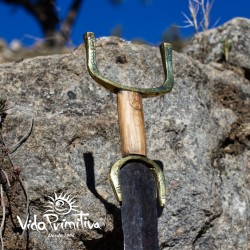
(147, 22)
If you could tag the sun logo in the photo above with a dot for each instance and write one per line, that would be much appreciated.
(61, 205)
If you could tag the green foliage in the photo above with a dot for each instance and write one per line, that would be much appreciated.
(117, 30)
(173, 35)
(226, 47)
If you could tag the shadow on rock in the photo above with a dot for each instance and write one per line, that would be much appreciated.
(110, 240)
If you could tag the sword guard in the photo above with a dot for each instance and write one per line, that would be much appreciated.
(155, 169)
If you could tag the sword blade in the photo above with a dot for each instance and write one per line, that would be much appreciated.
(139, 207)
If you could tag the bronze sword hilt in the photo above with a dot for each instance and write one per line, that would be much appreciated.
(130, 114)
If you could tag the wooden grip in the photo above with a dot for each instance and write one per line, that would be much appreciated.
(131, 123)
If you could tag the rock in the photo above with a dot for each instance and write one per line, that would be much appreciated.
(199, 131)
(2, 44)
(15, 45)
(16, 52)
(3, 48)
(230, 43)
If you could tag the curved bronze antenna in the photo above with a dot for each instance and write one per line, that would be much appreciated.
(166, 55)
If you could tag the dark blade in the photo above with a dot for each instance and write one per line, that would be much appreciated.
(139, 207)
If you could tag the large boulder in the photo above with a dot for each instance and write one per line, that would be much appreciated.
(229, 42)
(200, 132)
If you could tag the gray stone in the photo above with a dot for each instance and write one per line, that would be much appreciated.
(211, 46)
(200, 132)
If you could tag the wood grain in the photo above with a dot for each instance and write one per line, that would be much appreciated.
(131, 123)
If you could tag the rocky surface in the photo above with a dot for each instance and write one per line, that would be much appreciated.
(229, 43)
(200, 132)
(16, 52)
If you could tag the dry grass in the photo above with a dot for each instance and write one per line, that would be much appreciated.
(8, 179)
(199, 15)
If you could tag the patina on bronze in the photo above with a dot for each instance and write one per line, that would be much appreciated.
(166, 55)
(132, 177)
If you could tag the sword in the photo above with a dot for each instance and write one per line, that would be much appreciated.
(137, 181)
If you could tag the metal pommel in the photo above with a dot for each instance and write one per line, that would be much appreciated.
(166, 55)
